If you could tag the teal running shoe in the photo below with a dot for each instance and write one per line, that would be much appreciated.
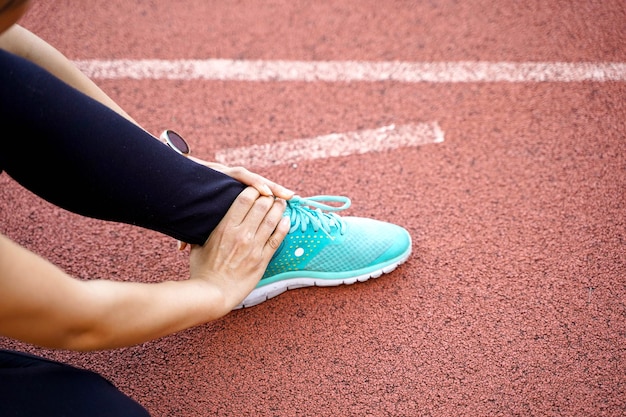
(323, 249)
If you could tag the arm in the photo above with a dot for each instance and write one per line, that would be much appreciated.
(43, 305)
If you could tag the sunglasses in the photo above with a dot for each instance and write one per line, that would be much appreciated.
(176, 142)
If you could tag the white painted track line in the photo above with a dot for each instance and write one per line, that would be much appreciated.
(332, 145)
(350, 71)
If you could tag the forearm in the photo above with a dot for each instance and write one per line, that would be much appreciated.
(43, 305)
(129, 313)
(22, 42)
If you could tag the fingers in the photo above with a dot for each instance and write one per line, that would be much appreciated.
(238, 251)
(244, 202)
(260, 213)
(256, 216)
(267, 230)
(265, 225)
(262, 220)
(280, 191)
(261, 184)
(267, 187)
(277, 237)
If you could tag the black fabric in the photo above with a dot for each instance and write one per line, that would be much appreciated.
(80, 155)
(31, 386)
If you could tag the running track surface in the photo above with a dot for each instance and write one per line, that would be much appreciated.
(514, 301)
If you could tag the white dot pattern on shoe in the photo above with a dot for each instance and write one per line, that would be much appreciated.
(297, 252)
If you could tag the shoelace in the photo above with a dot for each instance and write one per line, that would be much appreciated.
(302, 216)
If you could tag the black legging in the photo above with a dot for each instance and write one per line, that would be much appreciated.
(80, 155)
(32, 386)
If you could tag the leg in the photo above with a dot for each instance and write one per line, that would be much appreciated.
(82, 156)
(33, 386)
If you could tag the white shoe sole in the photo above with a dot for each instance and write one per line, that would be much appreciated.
(264, 293)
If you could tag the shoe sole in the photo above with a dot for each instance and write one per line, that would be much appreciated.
(264, 293)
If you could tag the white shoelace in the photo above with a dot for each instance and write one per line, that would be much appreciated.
(322, 217)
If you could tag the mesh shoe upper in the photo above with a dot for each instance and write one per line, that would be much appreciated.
(321, 244)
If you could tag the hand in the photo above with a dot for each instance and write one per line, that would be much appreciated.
(238, 251)
(263, 185)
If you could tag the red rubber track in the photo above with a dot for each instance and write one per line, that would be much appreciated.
(514, 300)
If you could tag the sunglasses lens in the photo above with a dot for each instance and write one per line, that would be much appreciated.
(178, 142)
